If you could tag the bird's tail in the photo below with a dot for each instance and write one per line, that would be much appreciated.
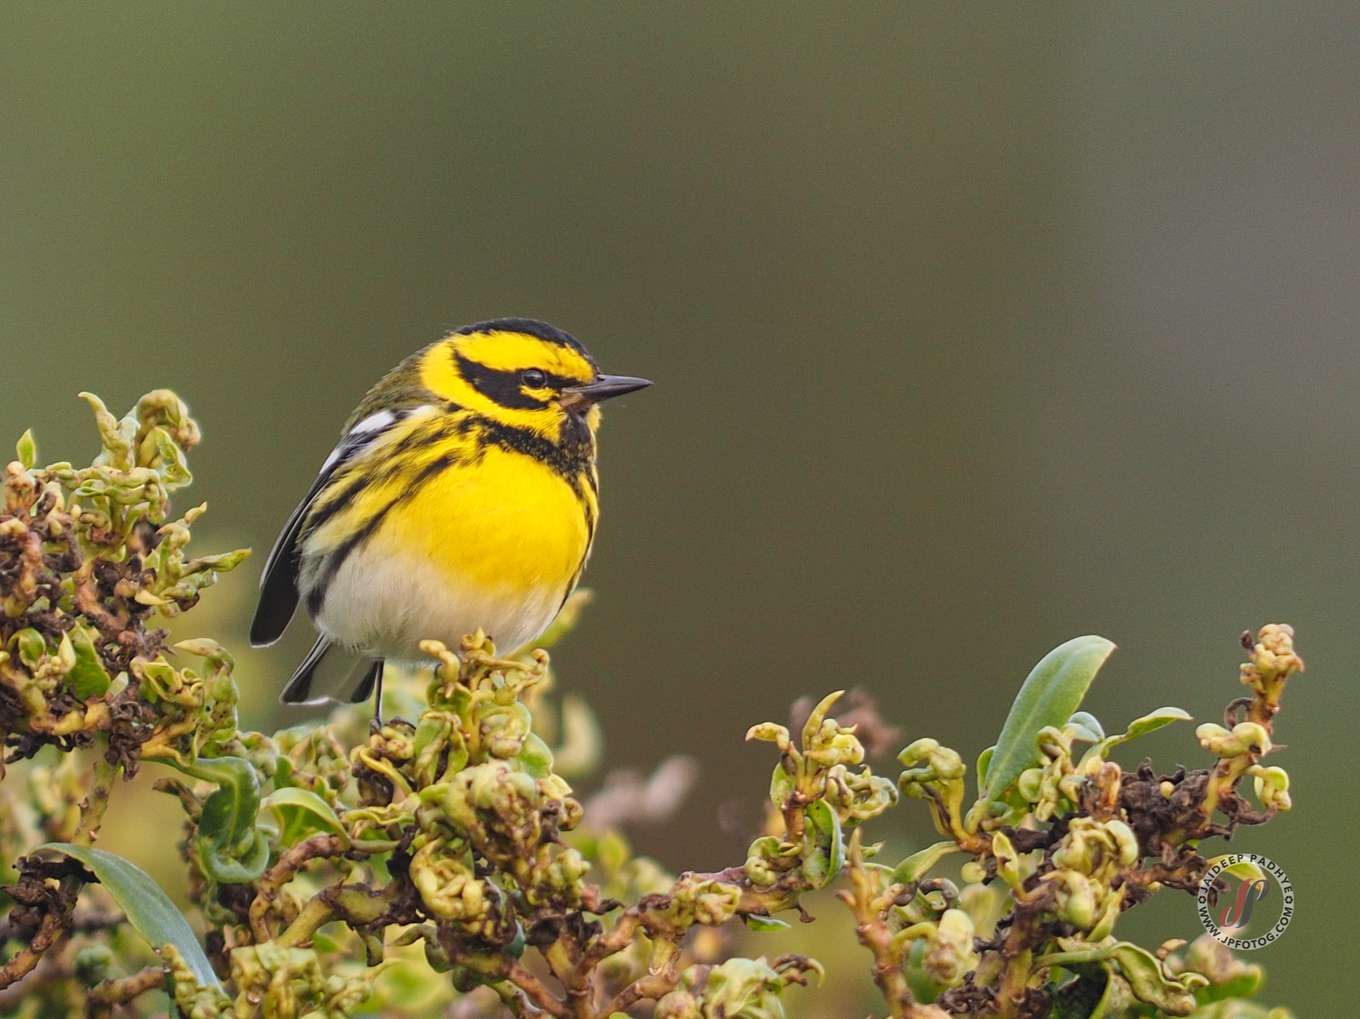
(323, 676)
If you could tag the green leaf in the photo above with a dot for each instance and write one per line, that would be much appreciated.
(148, 908)
(1049, 696)
(825, 855)
(238, 865)
(27, 449)
(1150, 982)
(1141, 726)
(1243, 870)
(781, 786)
(923, 988)
(31, 645)
(114, 435)
(222, 562)
(87, 677)
(206, 647)
(1086, 727)
(761, 922)
(230, 847)
(919, 863)
(535, 757)
(301, 812)
(229, 812)
(1153, 721)
(173, 468)
(1144, 975)
(984, 764)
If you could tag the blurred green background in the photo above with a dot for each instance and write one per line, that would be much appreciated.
(973, 328)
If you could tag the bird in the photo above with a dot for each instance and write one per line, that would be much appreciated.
(463, 495)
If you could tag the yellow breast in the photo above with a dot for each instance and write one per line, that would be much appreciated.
(503, 523)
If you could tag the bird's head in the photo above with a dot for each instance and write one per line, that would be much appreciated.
(524, 374)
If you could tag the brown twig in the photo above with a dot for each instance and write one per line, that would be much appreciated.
(50, 932)
(82, 921)
(103, 775)
(268, 887)
(874, 935)
(50, 969)
(108, 993)
(526, 981)
(651, 987)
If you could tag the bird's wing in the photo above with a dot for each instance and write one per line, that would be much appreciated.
(278, 584)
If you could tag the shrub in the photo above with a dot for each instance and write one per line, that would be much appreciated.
(341, 869)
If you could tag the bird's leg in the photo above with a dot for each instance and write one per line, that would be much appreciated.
(376, 724)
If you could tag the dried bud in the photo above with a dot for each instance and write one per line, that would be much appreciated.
(92, 963)
(950, 955)
(702, 901)
(446, 884)
(1272, 656)
(1075, 900)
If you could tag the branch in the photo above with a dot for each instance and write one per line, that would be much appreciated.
(874, 935)
(108, 993)
(268, 887)
(50, 931)
(102, 777)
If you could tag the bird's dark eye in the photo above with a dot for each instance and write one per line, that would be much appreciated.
(533, 378)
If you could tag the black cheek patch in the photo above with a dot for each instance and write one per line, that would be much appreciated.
(500, 386)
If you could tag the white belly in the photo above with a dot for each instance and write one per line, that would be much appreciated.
(386, 604)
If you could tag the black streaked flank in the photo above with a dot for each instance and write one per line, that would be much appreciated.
(316, 597)
(336, 501)
(361, 475)
(278, 584)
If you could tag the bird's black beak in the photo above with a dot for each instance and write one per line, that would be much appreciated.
(603, 388)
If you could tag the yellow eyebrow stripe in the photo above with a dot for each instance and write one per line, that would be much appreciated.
(507, 351)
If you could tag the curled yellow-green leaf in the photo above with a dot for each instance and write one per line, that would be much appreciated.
(300, 811)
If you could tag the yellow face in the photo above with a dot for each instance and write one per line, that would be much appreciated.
(514, 377)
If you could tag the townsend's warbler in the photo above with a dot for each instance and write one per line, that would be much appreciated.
(462, 495)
